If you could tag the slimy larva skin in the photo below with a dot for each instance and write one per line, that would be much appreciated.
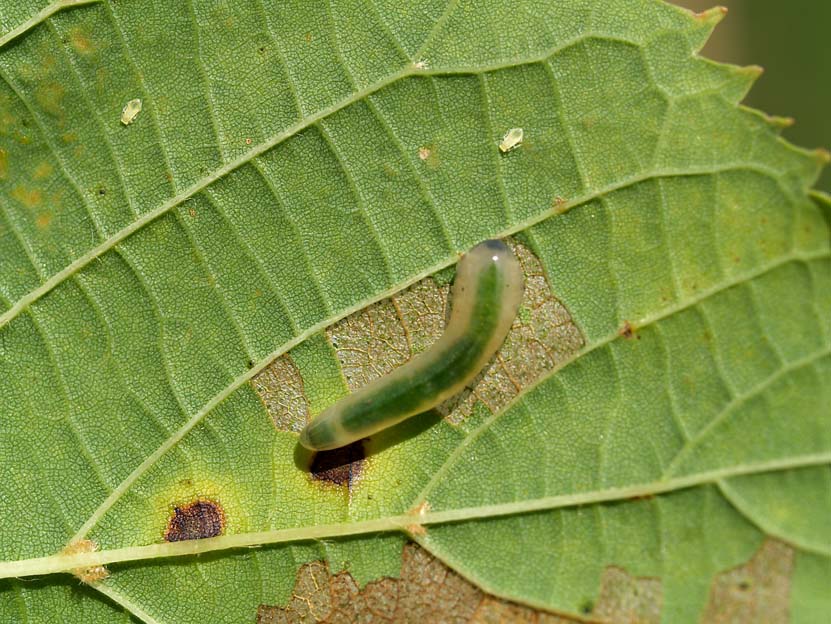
(485, 299)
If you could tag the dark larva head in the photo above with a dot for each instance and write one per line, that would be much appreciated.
(493, 244)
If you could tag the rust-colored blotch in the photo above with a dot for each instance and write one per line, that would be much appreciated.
(340, 466)
(196, 520)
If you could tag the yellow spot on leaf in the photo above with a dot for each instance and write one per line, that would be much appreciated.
(4, 164)
(43, 170)
(43, 220)
(80, 41)
(49, 97)
(28, 197)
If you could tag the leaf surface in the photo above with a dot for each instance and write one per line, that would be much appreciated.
(295, 163)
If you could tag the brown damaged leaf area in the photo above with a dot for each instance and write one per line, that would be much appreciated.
(280, 388)
(758, 591)
(340, 466)
(91, 574)
(379, 339)
(627, 599)
(375, 341)
(427, 591)
(195, 520)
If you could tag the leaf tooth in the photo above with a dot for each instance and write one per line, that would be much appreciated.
(777, 122)
(704, 24)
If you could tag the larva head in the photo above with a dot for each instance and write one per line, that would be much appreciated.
(486, 257)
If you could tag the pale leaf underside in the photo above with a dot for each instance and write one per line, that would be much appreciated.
(294, 162)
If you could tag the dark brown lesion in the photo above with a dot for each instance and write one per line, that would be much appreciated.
(195, 520)
(628, 331)
(341, 467)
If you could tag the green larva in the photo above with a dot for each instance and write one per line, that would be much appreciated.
(486, 295)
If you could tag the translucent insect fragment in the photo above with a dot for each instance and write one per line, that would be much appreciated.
(511, 140)
(130, 111)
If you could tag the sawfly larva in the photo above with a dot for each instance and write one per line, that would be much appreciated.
(485, 299)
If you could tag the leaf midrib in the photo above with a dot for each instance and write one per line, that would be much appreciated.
(403, 522)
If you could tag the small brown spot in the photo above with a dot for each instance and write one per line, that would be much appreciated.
(416, 529)
(4, 164)
(191, 212)
(419, 510)
(424, 153)
(196, 520)
(628, 331)
(559, 204)
(340, 466)
(89, 575)
(102, 191)
(248, 141)
(308, 37)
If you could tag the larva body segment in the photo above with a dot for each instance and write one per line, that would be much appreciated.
(486, 296)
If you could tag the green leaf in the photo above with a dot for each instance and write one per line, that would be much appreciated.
(661, 409)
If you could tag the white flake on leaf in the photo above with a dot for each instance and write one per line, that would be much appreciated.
(130, 111)
(511, 140)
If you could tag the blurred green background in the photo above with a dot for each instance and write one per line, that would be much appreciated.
(791, 39)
